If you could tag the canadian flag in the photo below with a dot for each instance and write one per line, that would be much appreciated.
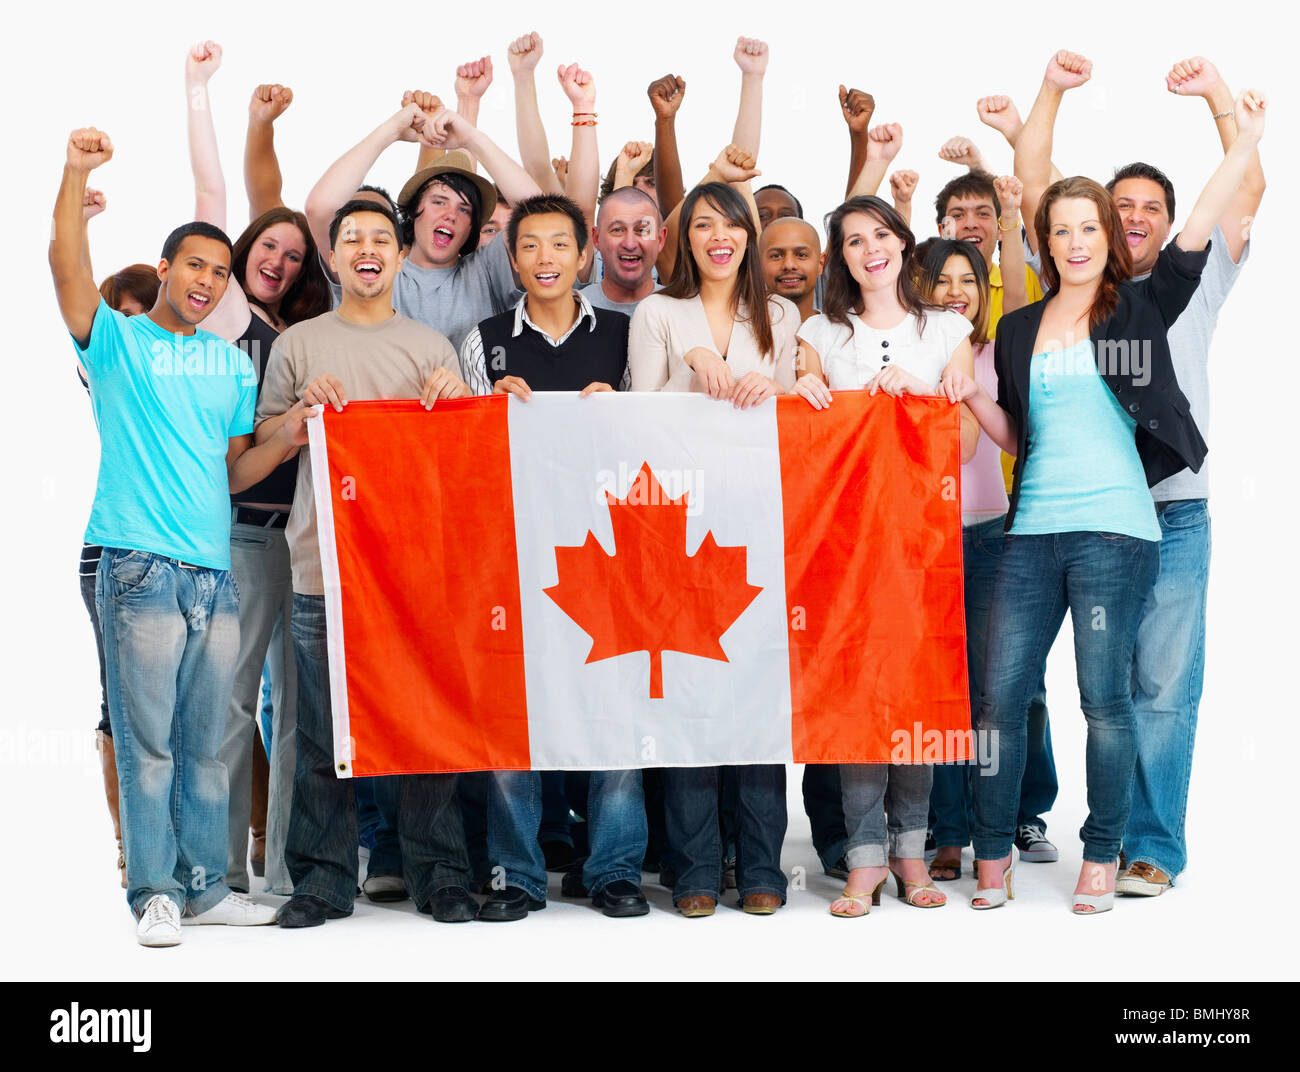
(632, 580)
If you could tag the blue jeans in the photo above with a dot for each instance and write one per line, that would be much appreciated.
(951, 798)
(691, 814)
(824, 804)
(1168, 670)
(1103, 579)
(615, 820)
(321, 848)
(171, 638)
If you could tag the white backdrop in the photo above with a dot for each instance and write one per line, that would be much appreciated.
(121, 69)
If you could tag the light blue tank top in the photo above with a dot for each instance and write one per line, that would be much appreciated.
(1082, 470)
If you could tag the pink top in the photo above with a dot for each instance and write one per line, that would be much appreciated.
(983, 492)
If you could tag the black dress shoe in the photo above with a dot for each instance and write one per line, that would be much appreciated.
(505, 906)
(621, 898)
(452, 904)
(302, 910)
(571, 885)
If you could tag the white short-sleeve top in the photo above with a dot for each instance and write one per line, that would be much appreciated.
(852, 353)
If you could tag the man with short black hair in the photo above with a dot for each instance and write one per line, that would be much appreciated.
(361, 350)
(776, 203)
(791, 257)
(174, 408)
(553, 340)
(968, 208)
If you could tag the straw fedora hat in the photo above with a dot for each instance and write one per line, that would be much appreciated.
(456, 162)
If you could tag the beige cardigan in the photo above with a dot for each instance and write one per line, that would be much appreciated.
(665, 329)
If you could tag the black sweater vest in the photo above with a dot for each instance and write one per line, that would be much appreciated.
(586, 356)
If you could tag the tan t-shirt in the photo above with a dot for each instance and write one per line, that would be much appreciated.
(372, 361)
(665, 329)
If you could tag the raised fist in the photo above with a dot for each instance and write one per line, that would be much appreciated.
(1195, 77)
(735, 164)
(524, 52)
(666, 95)
(857, 108)
(92, 204)
(750, 55)
(202, 61)
(884, 141)
(269, 102)
(1000, 113)
(635, 155)
(578, 86)
(1249, 113)
(410, 124)
(902, 185)
(88, 148)
(429, 103)
(473, 78)
(1067, 70)
(1009, 190)
(961, 151)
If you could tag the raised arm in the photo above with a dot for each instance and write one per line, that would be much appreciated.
(883, 143)
(335, 188)
(857, 108)
(902, 185)
(1198, 77)
(1227, 179)
(92, 204)
(1011, 259)
(1000, 112)
(472, 81)
(74, 286)
(523, 54)
(1033, 166)
(448, 130)
(631, 159)
(666, 95)
(430, 104)
(583, 183)
(263, 182)
(201, 63)
(751, 58)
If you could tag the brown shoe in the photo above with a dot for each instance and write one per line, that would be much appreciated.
(697, 905)
(760, 904)
(1142, 879)
(108, 764)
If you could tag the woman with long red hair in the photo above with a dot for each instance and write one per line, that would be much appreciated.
(1089, 406)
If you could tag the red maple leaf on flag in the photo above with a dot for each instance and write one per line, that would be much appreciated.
(650, 595)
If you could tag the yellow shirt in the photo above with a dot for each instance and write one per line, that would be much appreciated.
(1035, 293)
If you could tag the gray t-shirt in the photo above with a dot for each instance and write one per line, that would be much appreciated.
(392, 359)
(1189, 345)
(453, 300)
(595, 294)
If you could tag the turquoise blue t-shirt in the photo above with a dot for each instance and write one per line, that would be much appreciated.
(166, 406)
(1082, 470)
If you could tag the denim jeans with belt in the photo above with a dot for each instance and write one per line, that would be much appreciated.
(616, 829)
(951, 800)
(1168, 672)
(321, 848)
(1103, 579)
(695, 840)
(171, 636)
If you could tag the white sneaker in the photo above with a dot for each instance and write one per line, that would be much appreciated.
(236, 910)
(160, 923)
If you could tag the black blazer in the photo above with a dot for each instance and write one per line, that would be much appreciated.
(1131, 348)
